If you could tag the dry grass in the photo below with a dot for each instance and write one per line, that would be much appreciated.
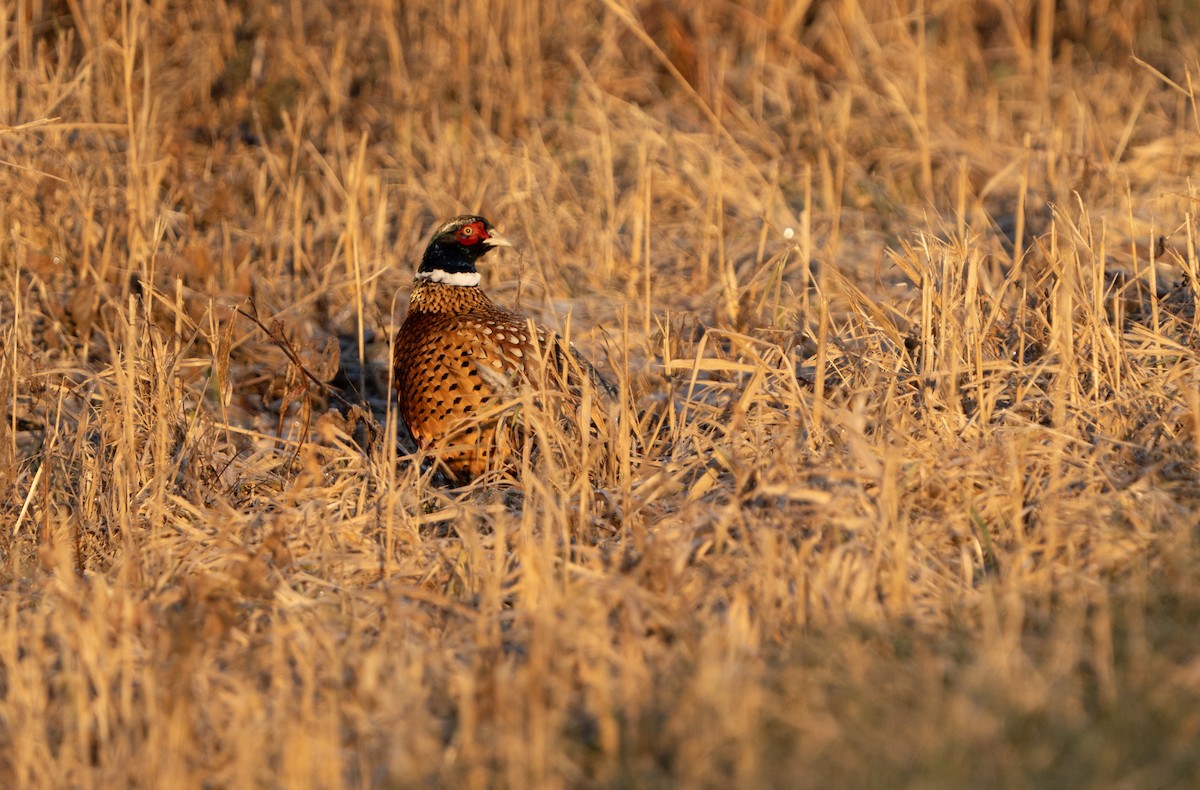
(909, 495)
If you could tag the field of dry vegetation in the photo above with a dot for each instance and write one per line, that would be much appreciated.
(901, 301)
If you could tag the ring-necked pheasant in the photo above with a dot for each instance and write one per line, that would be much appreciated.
(459, 358)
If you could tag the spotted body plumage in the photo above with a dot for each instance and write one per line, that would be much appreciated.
(460, 358)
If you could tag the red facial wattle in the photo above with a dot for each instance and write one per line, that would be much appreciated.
(472, 233)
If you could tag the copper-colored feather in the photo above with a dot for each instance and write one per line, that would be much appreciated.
(459, 357)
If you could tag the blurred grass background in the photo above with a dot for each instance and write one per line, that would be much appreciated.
(901, 297)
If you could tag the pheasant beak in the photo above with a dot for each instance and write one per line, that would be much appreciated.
(494, 239)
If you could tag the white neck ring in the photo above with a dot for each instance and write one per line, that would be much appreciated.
(450, 278)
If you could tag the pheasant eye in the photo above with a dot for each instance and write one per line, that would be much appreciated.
(471, 234)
